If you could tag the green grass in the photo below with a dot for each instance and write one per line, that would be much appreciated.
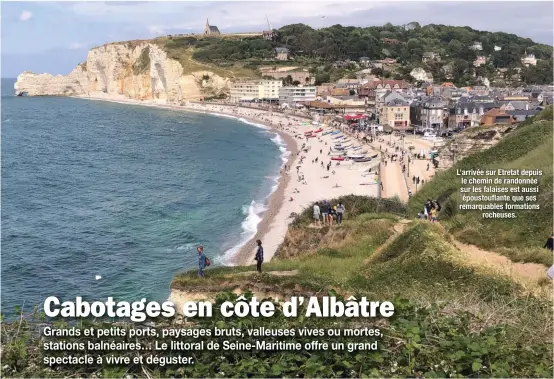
(528, 147)
(182, 51)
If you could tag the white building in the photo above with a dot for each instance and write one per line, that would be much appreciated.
(477, 46)
(497, 48)
(421, 75)
(529, 60)
(291, 95)
(481, 60)
(252, 90)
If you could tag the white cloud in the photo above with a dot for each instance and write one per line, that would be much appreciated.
(76, 45)
(156, 29)
(25, 15)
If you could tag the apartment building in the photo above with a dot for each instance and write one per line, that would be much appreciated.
(291, 95)
(253, 90)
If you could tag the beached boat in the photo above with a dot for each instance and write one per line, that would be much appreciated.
(336, 132)
(326, 133)
(338, 137)
(337, 158)
(360, 160)
(338, 148)
(355, 156)
(318, 130)
(356, 148)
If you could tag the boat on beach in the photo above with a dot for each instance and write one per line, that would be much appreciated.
(362, 159)
(336, 132)
(337, 158)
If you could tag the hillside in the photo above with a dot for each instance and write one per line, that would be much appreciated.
(529, 146)
(319, 48)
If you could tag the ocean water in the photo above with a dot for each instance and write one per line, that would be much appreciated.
(125, 192)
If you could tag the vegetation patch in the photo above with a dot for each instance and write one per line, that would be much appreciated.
(142, 64)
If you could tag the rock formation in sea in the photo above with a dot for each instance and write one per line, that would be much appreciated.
(127, 70)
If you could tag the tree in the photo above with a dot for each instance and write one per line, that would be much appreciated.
(296, 83)
(287, 81)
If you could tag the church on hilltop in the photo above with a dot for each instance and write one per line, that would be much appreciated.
(211, 31)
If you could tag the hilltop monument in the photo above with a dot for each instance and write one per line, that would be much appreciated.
(211, 31)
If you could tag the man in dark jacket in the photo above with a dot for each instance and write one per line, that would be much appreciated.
(550, 243)
(259, 256)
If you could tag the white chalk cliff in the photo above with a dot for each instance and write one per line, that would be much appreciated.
(140, 71)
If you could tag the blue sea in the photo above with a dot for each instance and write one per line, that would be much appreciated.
(123, 192)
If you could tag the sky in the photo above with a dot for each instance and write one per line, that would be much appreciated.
(54, 36)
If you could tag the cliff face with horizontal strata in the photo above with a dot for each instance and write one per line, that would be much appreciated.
(126, 71)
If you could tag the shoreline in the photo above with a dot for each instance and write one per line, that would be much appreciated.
(354, 178)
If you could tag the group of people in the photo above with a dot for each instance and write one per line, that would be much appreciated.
(431, 210)
(203, 261)
(327, 214)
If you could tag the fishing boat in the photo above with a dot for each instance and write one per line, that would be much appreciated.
(318, 130)
(339, 148)
(336, 132)
(374, 156)
(356, 148)
(355, 156)
(337, 154)
(308, 132)
(337, 158)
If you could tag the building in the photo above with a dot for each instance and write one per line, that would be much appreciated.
(481, 60)
(421, 75)
(521, 115)
(370, 89)
(529, 60)
(211, 31)
(428, 113)
(496, 116)
(255, 90)
(431, 56)
(396, 114)
(513, 105)
(350, 83)
(364, 61)
(281, 53)
(477, 46)
(497, 48)
(466, 114)
(290, 95)
(269, 35)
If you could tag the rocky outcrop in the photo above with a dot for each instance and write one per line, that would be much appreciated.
(140, 71)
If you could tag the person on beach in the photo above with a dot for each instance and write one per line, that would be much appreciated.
(259, 258)
(201, 261)
(317, 213)
(340, 213)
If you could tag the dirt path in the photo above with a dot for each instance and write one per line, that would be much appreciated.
(533, 271)
(477, 256)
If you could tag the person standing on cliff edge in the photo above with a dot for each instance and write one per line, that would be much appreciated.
(259, 258)
(201, 261)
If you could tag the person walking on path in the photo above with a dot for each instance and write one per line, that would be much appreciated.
(201, 261)
(259, 258)
(340, 213)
